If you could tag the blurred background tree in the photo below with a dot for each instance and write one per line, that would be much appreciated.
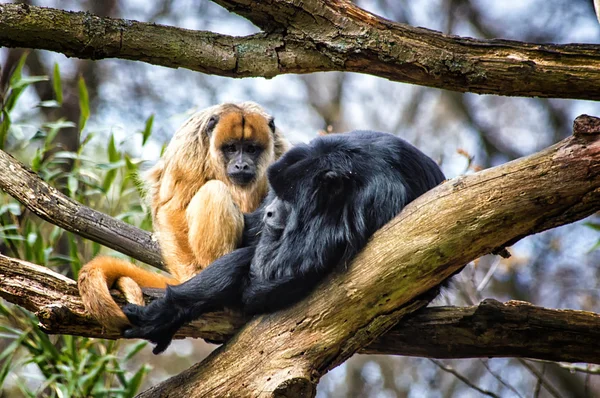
(85, 129)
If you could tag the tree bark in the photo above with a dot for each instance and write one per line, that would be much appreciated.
(490, 329)
(315, 36)
(511, 329)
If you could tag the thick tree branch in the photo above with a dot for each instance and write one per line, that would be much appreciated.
(316, 35)
(512, 329)
(55, 300)
(444, 229)
(53, 206)
(490, 329)
(431, 239)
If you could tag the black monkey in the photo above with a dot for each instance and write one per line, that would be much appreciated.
(326, 200)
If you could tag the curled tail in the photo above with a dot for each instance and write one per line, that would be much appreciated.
(101, 274)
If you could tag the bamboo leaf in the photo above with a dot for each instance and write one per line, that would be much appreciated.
(84, 103)
(56, 84)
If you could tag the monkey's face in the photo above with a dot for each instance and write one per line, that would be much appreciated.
(241, 158)
(242, 143)
(276, 214)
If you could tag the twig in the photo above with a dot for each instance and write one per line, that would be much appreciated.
(573, 367)
(463, 378)
(497, 377)
(541, 380)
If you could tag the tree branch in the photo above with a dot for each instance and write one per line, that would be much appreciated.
(493, 329)
(441, 231)
(53, 206)
(312, 36)
(490, 329)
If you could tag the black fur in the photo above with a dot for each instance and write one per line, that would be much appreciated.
(327, 198)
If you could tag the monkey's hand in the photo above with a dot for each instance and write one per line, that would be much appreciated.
(158, 322)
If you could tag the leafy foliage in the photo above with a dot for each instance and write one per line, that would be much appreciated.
(102, 177)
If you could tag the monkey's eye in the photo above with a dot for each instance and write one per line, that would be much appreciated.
(212, 122)
(272, 124)
(229, 148)
(251, 149)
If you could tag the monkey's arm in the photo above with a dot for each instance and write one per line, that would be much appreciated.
(263, 296)
(253, 225)
(217, 287)
(215, 225)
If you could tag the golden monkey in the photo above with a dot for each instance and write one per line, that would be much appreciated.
(213, 171)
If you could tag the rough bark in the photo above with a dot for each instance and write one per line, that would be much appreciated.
(511, 329)
(431, 239)
(490, 329)
(53, 206)
(315, 35)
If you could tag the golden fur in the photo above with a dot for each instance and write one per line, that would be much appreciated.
(196, 210)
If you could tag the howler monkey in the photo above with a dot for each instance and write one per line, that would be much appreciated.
(213, 170)
(326, 200)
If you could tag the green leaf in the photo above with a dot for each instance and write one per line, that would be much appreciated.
(4, 372)
(71, 155)
(108, 180)
(36, 162)
(113, 154)
(31, 238)
(56, 84)
(84, 103)
(592, 225)
(4, 127)
(28, 80)
(60, 124)
(17, 88)
(73, 184)
(49, 104)
(12, 98)
(39, 135)
(85, 141)
(147, 129)
(133, 349)
(55, 127)
(111, 166)
(15, 78)
(18, 238)
(13, 208)
(136, 381)
(114, 158)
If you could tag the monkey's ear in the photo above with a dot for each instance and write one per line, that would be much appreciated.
(210, 125)
(272, 125)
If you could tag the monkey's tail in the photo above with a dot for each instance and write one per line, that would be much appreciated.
(98, 276)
